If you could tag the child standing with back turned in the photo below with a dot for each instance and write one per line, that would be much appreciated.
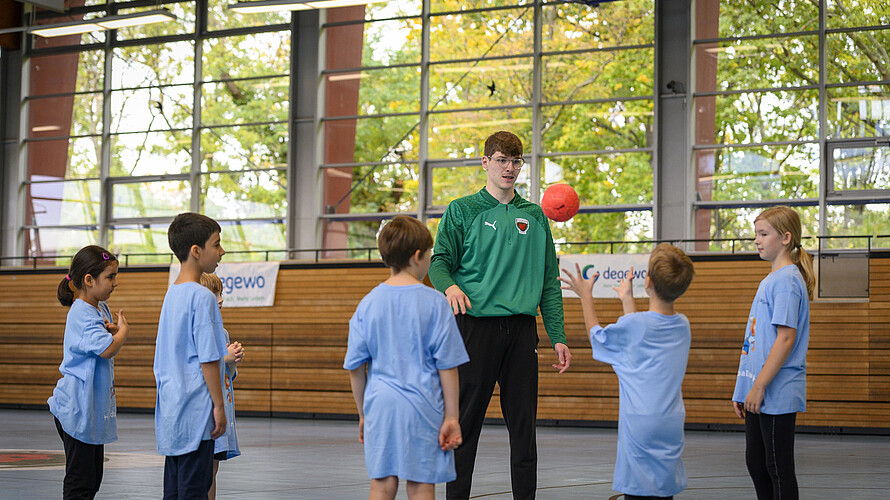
(772, 381)
(648, 352)
(189, 411)
(403, 353)
(83, 403)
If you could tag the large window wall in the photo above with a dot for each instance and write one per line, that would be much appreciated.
(127, 128)
(792, 105)
(405, 117)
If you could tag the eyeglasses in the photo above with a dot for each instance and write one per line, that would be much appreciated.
(504, 161)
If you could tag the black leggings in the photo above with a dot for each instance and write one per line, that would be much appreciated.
(769, 455)
(83, 467)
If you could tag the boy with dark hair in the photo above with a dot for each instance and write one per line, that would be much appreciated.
(648, 352)
(402, 357)
(189, 411)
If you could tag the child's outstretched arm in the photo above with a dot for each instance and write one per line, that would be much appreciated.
(449, 433)
(118, 336)
(211, 378)
(584, 289)
(625, 291)
(357, 380)
(774, 360)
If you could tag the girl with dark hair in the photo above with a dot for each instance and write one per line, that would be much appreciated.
(83, 403)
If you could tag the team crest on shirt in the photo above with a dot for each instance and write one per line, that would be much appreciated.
(522, 225)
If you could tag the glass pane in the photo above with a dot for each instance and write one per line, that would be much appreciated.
(59, 241)
(856, 13)
(758, 173)
(454, 5)
(366, 140)
(574, 26)
(148, 239)
(184, 22)
(849, 220)
(155, 64)
(245, 101)
(858, 56)
(399, 8)
(354, 240)
(482, 34)
(374, 188)
(151, 153)
(735, 18)
(149, 199)
(619, 179)
(480, 84)
(617, 226)
(156, 108)
(757, 117)
(862, 111)
(736, 226)
(246, 56)
(78, 114)
(597, 127)
(63, 203)
(244, 148)
(450, 183)
(244, 195)
(373, 92)
(862, 168)
(71, 72)
(247, 240)
(598, 75)
(750, 64)
(74, 158)
(219, 17)
(383, 43)
(40, 42)
(463, 134)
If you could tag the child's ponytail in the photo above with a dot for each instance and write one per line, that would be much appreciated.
(804, 262)
(91, 260)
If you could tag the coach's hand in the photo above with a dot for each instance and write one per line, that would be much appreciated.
(564, 357)
(458, 299)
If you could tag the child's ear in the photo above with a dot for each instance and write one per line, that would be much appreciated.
(88, 280)
(195, 251)
(786, 238)
(418, 256)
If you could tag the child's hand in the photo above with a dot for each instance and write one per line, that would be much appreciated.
(449, 434)
(219, 422)
(121, 324)
(361, 429)
(236, 351)
(583, 287)
(739, 409)
(754, 399)
(625, 287)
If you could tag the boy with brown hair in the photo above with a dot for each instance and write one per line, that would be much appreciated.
(648, 352)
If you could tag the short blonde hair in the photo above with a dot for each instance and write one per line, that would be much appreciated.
(212, 283)
(671, 271)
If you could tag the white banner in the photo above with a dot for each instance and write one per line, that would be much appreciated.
(245, 284)
(612, 268)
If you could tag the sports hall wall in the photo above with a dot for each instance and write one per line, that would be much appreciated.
(294, 350)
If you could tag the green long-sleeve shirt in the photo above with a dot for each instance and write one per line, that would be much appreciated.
(502, 257)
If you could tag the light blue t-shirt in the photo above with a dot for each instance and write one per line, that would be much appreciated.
(648, 352)
(190, 332)
(228, 442)
(406, 334)
(781, 300)
(83, 399)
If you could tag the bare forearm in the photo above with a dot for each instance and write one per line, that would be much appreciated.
(777, 356)
(117, 341)
(450, 391)
(590, 318)
(629, 305)
(211, 378)
(358, 378)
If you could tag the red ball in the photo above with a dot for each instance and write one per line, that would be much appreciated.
(560, 202)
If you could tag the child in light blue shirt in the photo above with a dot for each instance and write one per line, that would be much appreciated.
(648, 352)
(189, 411)
(83, 402)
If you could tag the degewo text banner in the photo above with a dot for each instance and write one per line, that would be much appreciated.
(612, 268)
(245, 284)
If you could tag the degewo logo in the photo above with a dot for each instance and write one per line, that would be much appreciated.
(607, 271)
(245, 284)
(232, 283)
